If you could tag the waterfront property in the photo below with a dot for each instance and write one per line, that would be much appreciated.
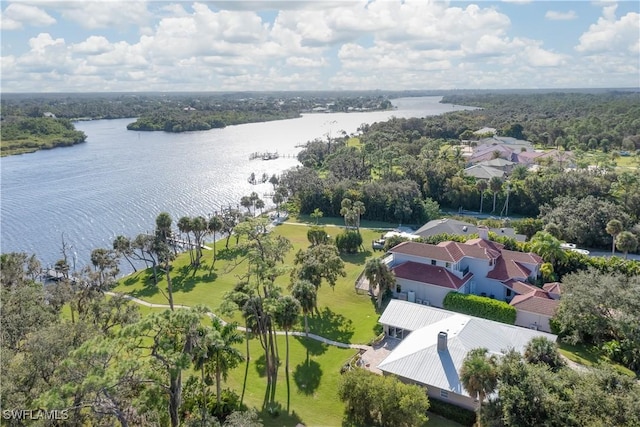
(426, 273)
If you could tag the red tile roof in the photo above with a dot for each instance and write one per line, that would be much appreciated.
(508, 269)
(519, 287)
(430, 274)
(553, 288)
(508, 264)
(536, 302)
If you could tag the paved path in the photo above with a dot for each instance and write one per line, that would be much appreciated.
(241, 328)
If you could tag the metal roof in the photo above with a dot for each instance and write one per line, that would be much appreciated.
(417, 357)
(410, 316)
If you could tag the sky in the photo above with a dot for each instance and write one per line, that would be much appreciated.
(174, 45)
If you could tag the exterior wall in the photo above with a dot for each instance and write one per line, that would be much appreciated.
(434, 392)
(479, 267)
(526, 319)
(453, 398)
(400, 258)
(434, 294)
(491, 287)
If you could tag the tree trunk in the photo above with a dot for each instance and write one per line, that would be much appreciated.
(204, 397)
(218, 385)
(306, 324)
(613, 245)
(169, 286)
(213, 261)
(481, 200)
(175, 399)
(286, 369)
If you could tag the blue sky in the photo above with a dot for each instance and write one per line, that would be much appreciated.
(92, 46)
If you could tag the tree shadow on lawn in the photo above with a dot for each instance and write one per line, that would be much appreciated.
(315, 348)
(359, 258)
(186, 279)
(261, 366)
(307, 376)
(331, 325)
(276, 411)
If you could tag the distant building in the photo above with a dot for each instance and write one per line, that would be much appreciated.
(461, 228)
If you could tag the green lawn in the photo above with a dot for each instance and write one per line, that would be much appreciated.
(345, 316)
(590, 356)
(313, 380)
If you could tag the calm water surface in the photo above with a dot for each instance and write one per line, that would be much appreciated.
(119, 180)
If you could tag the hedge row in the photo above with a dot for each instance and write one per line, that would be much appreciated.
(452, 412)
(484, 307)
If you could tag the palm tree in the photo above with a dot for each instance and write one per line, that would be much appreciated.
(161, 247)
(495, 184)
(259, 205)
(379, 275)
(346, 211)
(626, 242)
(199, 228)
(482, 186)
(542, 350)
(479, 374)
(286, 315)
(548, 247)
(358, 210)
(614, 227)
(316, 214)
(224, 355)
(307, 296)
(201, 357)
(184, 226)
(215, 225)
(546, 270)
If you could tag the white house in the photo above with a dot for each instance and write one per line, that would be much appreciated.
(426, 273)
(435, 343)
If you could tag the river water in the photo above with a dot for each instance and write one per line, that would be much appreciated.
(119, 180)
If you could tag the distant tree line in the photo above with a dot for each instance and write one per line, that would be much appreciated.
(402, 169)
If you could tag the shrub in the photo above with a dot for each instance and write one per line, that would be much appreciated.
(478, 306)
(349, 242)
(452, 412)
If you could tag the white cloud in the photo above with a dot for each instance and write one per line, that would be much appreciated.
(103, 14)
(92, 46)
(612, 35)
(306, 62)
(554, 15)
(311, 45)
(16, 15)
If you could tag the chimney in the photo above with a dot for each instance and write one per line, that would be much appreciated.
(442, 341)
(483, 232)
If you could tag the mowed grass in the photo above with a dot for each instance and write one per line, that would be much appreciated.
(344, 316)
(314, 377)
(590, 356)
